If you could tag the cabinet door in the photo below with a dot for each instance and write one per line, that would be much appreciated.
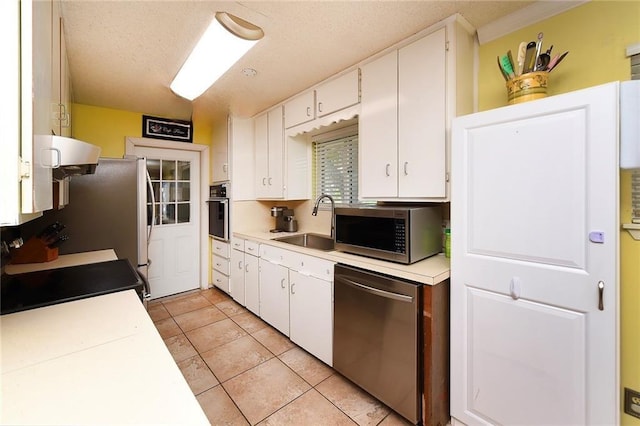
(421, 117)
(251, 284)
(339, 93)
(274, 295)
(261, 135)
(299, 109)
(237, 276)
(311, 313)
(275, 180)
(220, 154)
(36, 30)
(379, 128)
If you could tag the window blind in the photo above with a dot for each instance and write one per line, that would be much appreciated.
(335, 169)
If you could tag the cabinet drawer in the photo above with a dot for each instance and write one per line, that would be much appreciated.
(312, 266)
(220, 264)
(237, 244)
(220, 248)
(221, 281)
(273, 254)
(251, 247)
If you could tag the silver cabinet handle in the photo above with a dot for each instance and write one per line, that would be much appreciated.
(239, 264)
(282, 283)
(293, 285)
(387, 169)
(308, 111)
(246, 267)
(269, 181)
(319, 106)
(601, 295)
(264, 181)
(406, 163)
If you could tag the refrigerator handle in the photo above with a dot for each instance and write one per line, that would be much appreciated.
(153, 206)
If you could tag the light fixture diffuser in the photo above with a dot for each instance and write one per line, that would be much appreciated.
(214, 54)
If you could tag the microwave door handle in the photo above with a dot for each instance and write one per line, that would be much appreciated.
(378, 292)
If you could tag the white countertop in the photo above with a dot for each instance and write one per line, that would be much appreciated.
(63, 261)
(431, 271)
(96, 360)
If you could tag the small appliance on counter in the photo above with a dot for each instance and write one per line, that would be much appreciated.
(397, 233)
(284, 219)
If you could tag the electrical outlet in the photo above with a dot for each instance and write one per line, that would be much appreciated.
(632, 402)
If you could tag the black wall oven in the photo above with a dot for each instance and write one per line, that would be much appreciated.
(218, 212)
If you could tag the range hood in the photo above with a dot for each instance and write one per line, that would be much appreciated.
(75, 157)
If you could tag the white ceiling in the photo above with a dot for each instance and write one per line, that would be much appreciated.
(123, 54)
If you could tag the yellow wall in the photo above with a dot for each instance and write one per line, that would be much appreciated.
(108, 128)
(596, 35)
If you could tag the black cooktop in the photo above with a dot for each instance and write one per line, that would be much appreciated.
(43, 288)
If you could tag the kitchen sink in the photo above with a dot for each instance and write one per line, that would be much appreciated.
(309, 240)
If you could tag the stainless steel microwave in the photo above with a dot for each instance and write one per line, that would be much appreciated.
(402, 234)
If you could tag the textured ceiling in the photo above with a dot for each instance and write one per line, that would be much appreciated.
(123, 54)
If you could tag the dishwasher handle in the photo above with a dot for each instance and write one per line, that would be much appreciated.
(377, 291)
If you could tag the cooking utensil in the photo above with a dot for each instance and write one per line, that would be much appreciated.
(504, 74)
(506, 66)
(555, 61)
(529, 57)
(543, 60)
(522, 50)
(538, 48)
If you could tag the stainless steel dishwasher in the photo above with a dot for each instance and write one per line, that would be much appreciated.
(376, 337)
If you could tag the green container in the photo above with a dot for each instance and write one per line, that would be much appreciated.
(447, 242)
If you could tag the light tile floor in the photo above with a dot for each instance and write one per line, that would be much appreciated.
(243, 371)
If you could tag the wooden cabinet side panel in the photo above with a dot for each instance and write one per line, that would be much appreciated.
(435, 407)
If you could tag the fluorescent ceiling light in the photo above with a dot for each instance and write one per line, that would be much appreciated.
(215, 53)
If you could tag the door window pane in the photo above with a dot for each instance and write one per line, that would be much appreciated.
(168, 170)
(183, 212)
(183, 191)
(168, 214)
(184, 170)
(153, 166)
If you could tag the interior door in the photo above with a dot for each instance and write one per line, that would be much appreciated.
(534, 236)
(174, 244)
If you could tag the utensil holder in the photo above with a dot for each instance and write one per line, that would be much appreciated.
(527, 87)
(34, 251)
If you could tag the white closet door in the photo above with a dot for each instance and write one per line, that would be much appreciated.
(534, 234)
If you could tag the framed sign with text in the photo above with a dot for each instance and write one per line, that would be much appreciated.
(167, 129)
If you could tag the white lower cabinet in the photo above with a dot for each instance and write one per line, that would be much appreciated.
(244, 274)
(296, 297)
(311, 315)
(274, 295)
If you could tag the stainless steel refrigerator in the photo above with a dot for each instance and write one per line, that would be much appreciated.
(108, 210)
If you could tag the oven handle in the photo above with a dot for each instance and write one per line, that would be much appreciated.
(378, 292)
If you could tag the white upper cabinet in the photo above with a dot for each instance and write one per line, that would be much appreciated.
(327, 98)
(281, 164)
(269, 140)
(26, 164)
(339, 93)
(300, 109)
(61, 83)
(408, 99)
(241, 147)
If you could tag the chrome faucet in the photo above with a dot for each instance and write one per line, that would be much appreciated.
(333, 216)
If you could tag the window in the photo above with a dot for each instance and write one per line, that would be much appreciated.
(171, 188)
(335, 165)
